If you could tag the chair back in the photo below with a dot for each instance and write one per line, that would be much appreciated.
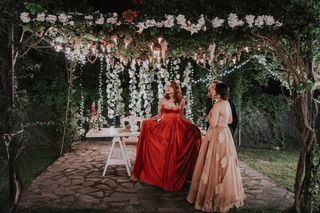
(132, 121)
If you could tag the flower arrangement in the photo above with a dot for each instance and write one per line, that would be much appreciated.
(170, 21)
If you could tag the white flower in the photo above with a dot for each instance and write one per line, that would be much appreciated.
(40, 17)
(169, 22)
(100, 20)
(71, 23)
(250, 20)
(141, 27)
(278, 24)
(25, 17)
(89, 17)
(51, 19)
(217, 22)
(259, 21)
(201, 21)
(63, 18)
(269, 20)
(181, 20)
(159, 24)
(112, 20)
(150, 23)
(233, 20)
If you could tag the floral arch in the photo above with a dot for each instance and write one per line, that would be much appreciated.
(82, 37)
(148, 50)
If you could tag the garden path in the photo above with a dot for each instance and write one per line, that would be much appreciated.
(75, 181)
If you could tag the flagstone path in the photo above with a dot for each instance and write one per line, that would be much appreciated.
(75, 181)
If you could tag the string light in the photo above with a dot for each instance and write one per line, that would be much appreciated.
(100, 84)
(188, 75)
(82, 130)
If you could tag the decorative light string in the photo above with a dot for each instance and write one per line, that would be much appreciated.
(235, 67)
(263, 61)
(82, 120)
(170, 70)
(100, 85)
(188, 74)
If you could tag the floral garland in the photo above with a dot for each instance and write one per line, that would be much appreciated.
(162, 77)
(170, 21)
(145, 95)
(175, 67)
(134, 94)
(114, 90)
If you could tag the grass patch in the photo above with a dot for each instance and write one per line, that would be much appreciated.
(34, 161)
(278, 165)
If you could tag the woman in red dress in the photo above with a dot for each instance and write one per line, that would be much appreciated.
(168, 145)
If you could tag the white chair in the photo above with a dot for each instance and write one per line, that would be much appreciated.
(134, 125)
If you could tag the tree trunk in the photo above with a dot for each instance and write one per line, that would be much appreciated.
(299, 69)
(70, 75)
(7, 82)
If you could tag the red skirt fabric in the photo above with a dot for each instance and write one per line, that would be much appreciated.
(167, 151)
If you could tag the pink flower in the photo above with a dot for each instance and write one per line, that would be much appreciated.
(129, 15)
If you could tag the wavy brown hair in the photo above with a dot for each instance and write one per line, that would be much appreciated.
(177, 94)
(222, 89)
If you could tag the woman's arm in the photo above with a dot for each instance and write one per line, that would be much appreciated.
(231, 116)
(214, 115)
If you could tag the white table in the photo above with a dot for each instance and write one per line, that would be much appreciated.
(118, 137)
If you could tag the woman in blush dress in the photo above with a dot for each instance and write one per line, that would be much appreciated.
(216, 182)
(168, 144)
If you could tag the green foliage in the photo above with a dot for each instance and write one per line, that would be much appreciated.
(34, 161)
(315, 173)
(33, 7)
(305, 86)
(277, 107)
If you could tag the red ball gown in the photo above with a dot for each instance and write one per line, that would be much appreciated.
(167, 150)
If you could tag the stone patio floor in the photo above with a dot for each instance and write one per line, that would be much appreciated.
(75, 181)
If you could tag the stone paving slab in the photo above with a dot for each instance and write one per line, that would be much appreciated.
(75, 181)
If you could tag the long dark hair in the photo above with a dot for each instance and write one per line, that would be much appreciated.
(223, 90)
(177, 94)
